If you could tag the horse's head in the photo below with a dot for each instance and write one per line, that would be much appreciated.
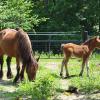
(97, 42)
(31, 70)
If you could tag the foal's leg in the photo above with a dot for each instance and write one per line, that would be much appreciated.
(82, 67)
(66, 63)
(22, 72)
(18, 71)
(63, 62)
(1, 65)
(9, 73)
(87, 67)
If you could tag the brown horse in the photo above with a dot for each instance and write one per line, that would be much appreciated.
(82, 51)
(17, 44)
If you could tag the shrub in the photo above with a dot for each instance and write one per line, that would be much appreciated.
(41, 89)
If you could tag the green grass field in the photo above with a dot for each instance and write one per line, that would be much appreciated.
(48, 82)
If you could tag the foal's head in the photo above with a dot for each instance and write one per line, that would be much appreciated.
(97, 42)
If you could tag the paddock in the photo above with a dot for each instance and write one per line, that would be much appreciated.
(49, 69)
(48, 76)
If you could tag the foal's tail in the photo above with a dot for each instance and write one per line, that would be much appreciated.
(62, 46)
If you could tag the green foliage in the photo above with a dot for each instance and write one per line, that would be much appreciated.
(41, 89)
(87, 85)
(18, 13)
(66, 15)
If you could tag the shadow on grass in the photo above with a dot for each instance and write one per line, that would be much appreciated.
(58, 76)
(71, 76)
(61, 90)
(6, 82)
(9, 83)
(79, 96)
(8, 90)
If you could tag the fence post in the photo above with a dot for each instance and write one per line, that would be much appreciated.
(84, 36)
(49, 45)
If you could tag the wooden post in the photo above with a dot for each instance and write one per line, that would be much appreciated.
(49, 45)
(84, 36)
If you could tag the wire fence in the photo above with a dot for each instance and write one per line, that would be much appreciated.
(49, 42)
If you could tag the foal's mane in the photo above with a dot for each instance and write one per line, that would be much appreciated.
(88, 41)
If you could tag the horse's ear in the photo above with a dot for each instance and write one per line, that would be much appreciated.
(37, 59)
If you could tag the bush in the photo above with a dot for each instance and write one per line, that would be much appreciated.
(41, 89)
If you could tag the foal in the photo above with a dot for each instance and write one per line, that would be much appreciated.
(81, 51)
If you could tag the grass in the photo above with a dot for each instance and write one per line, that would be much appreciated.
(48, 81)
(89, 84)
(43, 88)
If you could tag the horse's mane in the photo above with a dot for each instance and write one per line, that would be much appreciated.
(88, 41)
(24, 46)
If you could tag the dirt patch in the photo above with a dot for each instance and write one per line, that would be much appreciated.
(6, 85)
(52, 65)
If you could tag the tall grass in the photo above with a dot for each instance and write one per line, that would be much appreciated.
(42, 89)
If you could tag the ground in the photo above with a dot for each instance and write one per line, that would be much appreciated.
(6, 86)
(70, 96)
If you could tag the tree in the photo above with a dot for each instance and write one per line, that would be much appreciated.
(18, 13)
(89, 13)
(67, 14)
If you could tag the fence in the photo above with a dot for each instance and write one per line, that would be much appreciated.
(50, 42)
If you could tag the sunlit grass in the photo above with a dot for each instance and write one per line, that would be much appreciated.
(48, 80)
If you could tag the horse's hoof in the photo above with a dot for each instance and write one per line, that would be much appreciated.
(22, 79)
(15, 80)
(61, 74)
(1, 75)
(66, 77)
(80, 75)
(9, 75)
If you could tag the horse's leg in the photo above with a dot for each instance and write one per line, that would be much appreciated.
(9, 73)
(66, 63)
(1, 65)
(82, 67)
(87, 67)
(63, 62)
(18, 70)
(22, 72)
